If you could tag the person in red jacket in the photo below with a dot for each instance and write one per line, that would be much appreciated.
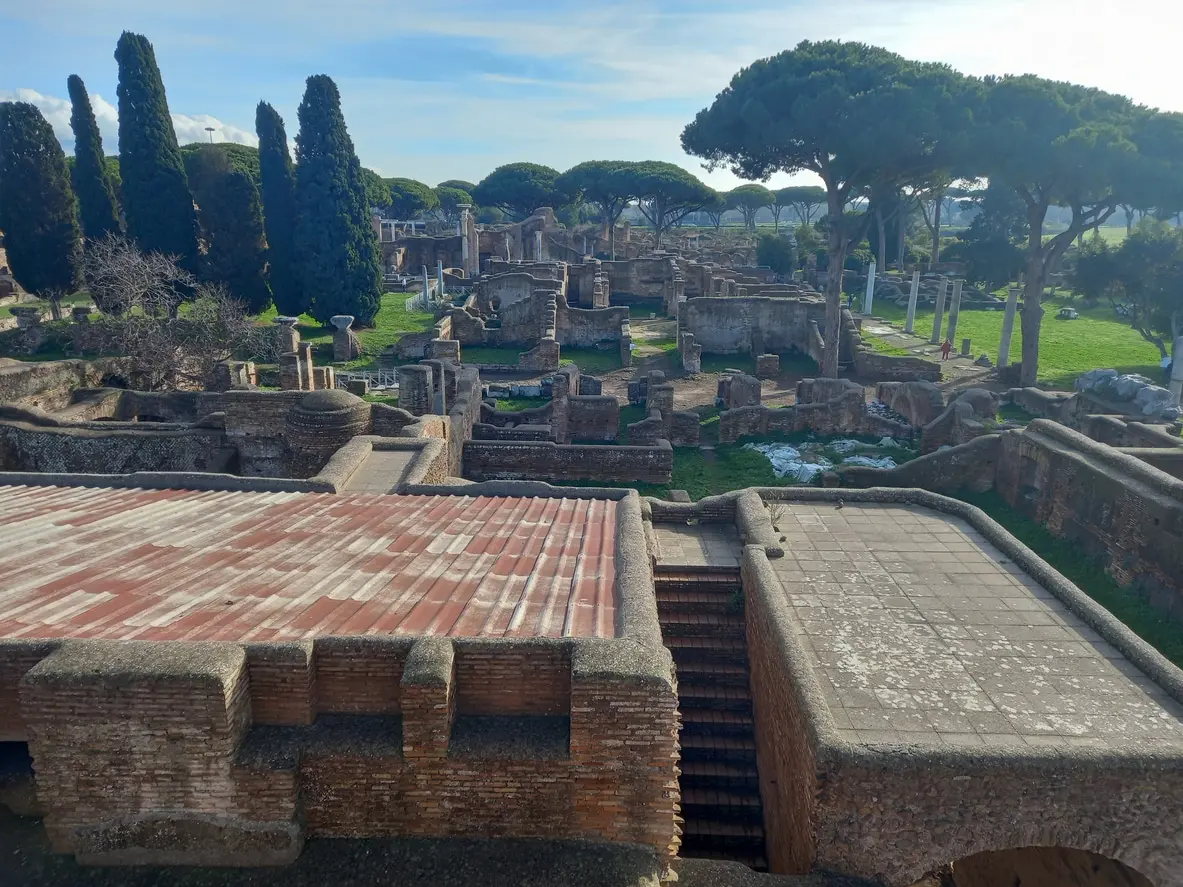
(946, 349)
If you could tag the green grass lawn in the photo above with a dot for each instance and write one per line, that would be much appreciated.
(392, 322)
(485, 354)
(1088, 574)
(517, 404)
(589, 360)
(390, 400)
(1096, 339)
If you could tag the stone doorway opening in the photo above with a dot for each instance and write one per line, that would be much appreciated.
(1036, 867)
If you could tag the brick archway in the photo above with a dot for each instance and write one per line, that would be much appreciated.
(1049, 866)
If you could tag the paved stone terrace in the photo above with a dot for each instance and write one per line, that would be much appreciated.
(922, 632)
(187, 565)
(381, 472)
(697, 545)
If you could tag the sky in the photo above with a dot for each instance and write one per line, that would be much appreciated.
(451, 89)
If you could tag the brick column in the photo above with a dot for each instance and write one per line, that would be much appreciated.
(133, 747)
(624, 744)
(428, 691)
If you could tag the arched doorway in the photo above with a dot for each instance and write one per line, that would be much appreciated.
(1036, 867)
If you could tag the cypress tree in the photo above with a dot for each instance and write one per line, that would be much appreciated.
(336, 245)
(38, 214)
(233, 222)
(277, 178)
(156, 199)
(96, 195)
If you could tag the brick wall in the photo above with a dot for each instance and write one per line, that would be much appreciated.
(593, 418)
(788, 771)
(1115, 506)
(496, 679)
(147, 753)
(488, 460)
(111, 450)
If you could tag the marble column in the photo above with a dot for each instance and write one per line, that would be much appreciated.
(954, 310)
(537, 246)
(913, 296)
(1008, 326)
(939, 317)
(869, 301)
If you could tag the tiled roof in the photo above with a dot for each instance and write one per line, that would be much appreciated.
(189, 565)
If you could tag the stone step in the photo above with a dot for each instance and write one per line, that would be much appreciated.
(694, 693)
(717, 749)
(719, 775)
(730, 625)
(717, 673)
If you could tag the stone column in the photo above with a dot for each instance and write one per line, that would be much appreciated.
(439, 278)
(1008, 326)
(306, 366)
(286, 335)
(939, 316)
(426, 285)
(537, 246)
(585, 245)
(345, 343)
(415, 392)
(290, 377)
(913, 296)
(869, 301)
(954, 310)
(965, 348)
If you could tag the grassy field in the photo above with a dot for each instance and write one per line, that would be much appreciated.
(392, 322)
(1089, 574)
(67, 303)
(1067, 348)
(516, 404)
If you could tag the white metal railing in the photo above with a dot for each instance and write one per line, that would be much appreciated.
(379, 379)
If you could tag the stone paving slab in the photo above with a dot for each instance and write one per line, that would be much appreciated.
(697, 545)
(922, 632)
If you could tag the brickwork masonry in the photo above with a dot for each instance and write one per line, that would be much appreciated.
(893, 813)
(158, 753)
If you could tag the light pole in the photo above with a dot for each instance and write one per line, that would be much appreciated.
(210, 130)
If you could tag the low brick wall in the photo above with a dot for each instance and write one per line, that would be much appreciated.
(1114, 505)
(870, 364)
(236, 755)
(110, 447)
(893, 813)
(488, 460)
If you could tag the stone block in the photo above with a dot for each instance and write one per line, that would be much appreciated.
(767, 366)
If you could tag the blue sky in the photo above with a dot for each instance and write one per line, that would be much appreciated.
(449, 89)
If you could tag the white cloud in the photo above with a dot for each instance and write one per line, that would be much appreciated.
(189, 128)
(193, 129)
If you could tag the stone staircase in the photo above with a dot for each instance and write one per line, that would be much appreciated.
(702, 623)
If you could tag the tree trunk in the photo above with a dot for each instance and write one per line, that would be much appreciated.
(936, 233)
(901, 246)
(881, 227)
(837, 259)
(612, 240)
(1032, 317)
